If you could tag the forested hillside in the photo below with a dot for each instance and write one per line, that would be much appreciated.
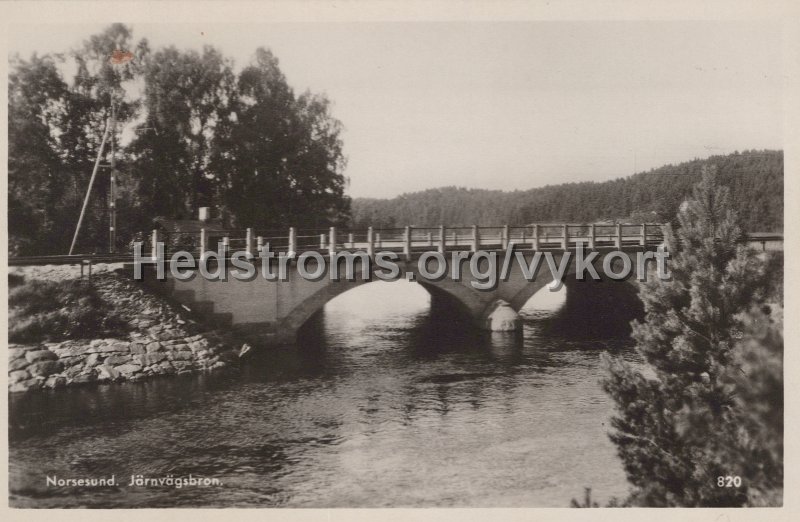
(755, 179)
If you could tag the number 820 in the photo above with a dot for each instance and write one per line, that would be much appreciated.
(729, 481)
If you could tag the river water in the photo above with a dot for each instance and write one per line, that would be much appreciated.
(380, 405)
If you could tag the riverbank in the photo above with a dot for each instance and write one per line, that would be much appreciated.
(162, 339)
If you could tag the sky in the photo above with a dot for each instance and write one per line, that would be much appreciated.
(508, 105)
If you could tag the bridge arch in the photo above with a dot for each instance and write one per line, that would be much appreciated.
(287, 328)
(446, 295)
(273, 311)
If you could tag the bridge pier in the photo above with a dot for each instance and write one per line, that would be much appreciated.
(502, 318)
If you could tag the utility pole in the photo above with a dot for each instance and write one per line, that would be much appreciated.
(112, 195)
(89, 189)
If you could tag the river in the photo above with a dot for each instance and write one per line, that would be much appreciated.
(380, 405)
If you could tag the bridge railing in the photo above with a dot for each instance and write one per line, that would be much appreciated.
(408, 240)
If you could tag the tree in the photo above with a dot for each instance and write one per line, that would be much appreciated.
(203, 137)
(279, 156)
(99, 87)
(186, 96)
(678, 427)
(36, 105)
(55, 130)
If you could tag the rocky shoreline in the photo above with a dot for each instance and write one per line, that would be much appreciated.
(163, 340)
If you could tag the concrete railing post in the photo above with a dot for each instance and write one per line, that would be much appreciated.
(476, 238)
(259, 243)
(249, 241)
(407, 243)
(522, 237)
(565, 237)
(430, 239)
(644, 234)
(591, 236)
(504, 237)
(370, 243)
(332, 240)
(378, 240)
(350, 241)
(322, 241)
(203, 243)
(154, 245)
(535, 242)
(226, 245)
(292, 240)
(618, 239)
(442, 240)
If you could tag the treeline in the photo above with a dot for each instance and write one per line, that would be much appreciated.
(754, 178)
(190, 132)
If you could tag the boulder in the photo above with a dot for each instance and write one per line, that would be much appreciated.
(40, 355)
(148, 359)
(30, 384)
(118, 347)
(18, 376)
(198, 345)
(70, 350)
(73, 371)
(92, 360)
(182, 356)
(227, 356)
(117, 359)
(128, 370)
(45, 368)
(16, 353)
(137, 348)
(182, 366)
(84, 378)
(106, 373)
(76, 360)
(55, 381)
(17, 364)
(155, 346)
(167, 335)
(155, 329)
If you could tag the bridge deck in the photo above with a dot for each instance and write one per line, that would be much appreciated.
(547, 237)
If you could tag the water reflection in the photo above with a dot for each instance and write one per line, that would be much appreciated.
(380, 404)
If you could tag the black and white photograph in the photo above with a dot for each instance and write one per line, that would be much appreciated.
(397, 261)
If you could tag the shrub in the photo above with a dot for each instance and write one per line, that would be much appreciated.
(15, 280)
(56, 311)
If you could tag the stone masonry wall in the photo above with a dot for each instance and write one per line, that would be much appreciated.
(164, 340)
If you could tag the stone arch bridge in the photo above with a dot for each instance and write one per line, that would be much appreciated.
(273, 311)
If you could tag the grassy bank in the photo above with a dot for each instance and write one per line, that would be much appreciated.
(53, 311)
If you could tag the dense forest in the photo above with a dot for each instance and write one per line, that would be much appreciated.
(188, 130)
(754, 178)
